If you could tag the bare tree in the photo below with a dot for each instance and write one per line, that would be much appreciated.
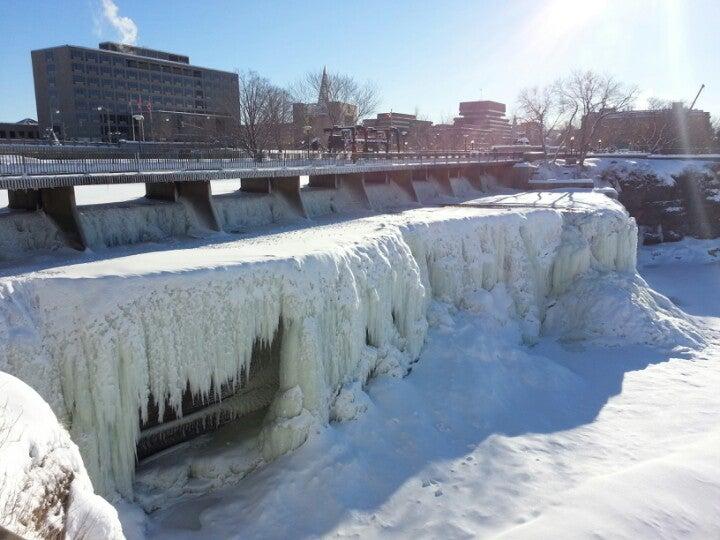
(543, 107)
(659, 129)
(340, 88)
(715, 121)
(280, 117)
(263, 110)
(594, 97)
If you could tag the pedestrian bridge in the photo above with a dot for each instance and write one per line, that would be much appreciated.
(44, 178)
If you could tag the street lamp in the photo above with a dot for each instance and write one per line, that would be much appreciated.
(465, 137)
(107, 117)
(53, 112)
(472, 144)
(307, 130)
(139, 118)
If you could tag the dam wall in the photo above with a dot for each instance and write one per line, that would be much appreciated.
(114, 343)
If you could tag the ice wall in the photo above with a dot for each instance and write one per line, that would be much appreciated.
(96, 340)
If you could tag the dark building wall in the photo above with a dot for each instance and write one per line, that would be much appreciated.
(77, 81)
(21, 131)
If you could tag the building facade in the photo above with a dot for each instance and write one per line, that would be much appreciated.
(488, 117)
(120, 92)
(24, 130)
(415, 134)
(675, 129)
(310, 120)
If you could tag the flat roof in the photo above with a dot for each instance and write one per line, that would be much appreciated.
(134, 57)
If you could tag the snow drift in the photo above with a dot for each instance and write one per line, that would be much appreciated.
(44, 489)
(349, 301)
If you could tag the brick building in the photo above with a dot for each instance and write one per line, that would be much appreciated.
(24, 130)
(319, 116)
(488, 117)
(415, 134)
(675, 129)
(93, 94)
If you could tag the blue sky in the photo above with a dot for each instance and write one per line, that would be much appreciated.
(422, 54)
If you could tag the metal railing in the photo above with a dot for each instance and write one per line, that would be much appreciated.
(37, 161)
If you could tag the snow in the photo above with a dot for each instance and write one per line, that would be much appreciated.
(487, 437)
(44, 487)
(352, 298)
(664, 168)
(444, 372)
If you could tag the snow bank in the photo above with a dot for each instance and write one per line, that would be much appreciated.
(619, 309)
(664, 170)
(348, 300)
(44, 488)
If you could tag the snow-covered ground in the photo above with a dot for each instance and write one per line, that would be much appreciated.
(488, 437)
(664, 169)
(549, 391)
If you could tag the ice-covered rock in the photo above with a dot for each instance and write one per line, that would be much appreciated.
(45, 491)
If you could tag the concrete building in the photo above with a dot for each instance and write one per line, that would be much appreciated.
(487, 116)
(93, 94)
(454, 137)
(675, 129)
(26, 129)
(310, 120)
(415, 134)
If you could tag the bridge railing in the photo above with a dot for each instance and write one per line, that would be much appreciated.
(34, 160)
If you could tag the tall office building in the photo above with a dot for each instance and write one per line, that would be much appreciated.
(119, 91)
(488, 116)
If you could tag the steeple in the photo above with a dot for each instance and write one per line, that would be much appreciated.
(324, 94)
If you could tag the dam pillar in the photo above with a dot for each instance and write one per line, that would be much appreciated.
(473, 174)
(196, 194)
(354, 184)
(199, 196)
(288, 187)
(420, 175)
(59, 206)
(328, 181)
(403, 179)
(441, 176)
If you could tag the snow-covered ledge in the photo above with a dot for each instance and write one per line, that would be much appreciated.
(96, 339)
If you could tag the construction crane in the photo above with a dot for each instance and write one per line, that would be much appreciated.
(696, 96)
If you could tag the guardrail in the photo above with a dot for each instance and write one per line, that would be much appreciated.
(29, 161)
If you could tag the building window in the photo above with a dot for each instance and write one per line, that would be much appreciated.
(49, 56)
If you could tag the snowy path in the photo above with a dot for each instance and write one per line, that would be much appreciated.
(487, 437)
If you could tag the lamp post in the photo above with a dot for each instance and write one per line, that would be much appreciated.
(465, 137)
(307, 130)
(572, 145)
(53, 112)
(140, 118)
(107, 118)
(472, 144)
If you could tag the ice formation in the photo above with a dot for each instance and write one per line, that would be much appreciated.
(45, 491)
(350, 300)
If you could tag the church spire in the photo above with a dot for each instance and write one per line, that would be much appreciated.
(324, 94)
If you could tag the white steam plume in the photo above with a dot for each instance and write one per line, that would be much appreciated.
(125, 26)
